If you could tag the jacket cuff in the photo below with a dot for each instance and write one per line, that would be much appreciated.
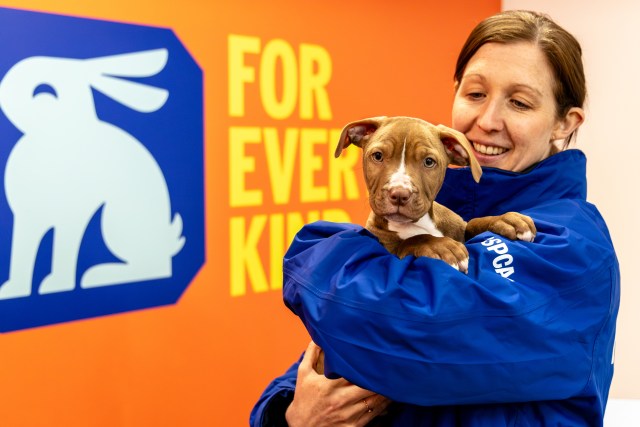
(275, 409)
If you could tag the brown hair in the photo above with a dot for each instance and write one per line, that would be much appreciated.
(562, 50)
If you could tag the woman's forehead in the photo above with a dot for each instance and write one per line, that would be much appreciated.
(521, 65)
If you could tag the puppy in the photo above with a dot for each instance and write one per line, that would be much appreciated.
(404, 161)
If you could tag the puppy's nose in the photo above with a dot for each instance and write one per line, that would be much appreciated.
(399, 196)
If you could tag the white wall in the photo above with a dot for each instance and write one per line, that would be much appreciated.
(610, 38)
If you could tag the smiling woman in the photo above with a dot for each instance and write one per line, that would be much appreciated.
(526, 337)
(517, 91)
(505, 106)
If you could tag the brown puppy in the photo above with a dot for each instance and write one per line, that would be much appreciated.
(404, 161)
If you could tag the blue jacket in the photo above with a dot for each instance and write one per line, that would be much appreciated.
(524, 339)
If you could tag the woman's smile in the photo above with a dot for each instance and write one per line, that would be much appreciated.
(488, 150)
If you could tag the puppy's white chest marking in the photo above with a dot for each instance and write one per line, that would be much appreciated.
(424, 225)
(400, 178)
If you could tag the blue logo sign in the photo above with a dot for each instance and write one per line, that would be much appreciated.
(101, 154)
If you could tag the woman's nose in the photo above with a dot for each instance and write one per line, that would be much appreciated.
(490, 117)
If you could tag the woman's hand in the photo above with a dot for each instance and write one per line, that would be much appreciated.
(319, 401)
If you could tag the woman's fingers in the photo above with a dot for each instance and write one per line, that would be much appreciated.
(320, 401)
(371, 407)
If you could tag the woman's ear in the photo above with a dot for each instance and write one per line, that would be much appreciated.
(567, 125)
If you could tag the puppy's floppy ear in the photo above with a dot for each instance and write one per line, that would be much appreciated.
(357, 133)
(459, 150)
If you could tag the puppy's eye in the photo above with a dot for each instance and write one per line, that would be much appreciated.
(429, 162)
(377, 156)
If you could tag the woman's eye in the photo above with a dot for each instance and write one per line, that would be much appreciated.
(429, 162)
(377, 156)
(520, 105)
(476, 95)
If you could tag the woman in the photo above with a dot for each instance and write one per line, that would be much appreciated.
(526, 337)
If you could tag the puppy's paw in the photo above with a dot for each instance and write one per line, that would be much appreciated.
(462, 265)
(526, 236)
(512, 225)
(448, 250)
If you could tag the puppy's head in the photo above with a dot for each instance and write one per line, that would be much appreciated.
(404, 162)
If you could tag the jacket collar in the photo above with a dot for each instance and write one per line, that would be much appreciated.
(561, 176)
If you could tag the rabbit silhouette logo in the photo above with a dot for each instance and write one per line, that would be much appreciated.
(77, 181)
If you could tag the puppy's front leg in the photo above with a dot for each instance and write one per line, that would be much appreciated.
(445, 248)
(512, 225)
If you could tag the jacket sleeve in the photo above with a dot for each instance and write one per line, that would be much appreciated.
(526, 323)
(270, 409)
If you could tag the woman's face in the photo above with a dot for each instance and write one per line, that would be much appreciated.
(505, 106)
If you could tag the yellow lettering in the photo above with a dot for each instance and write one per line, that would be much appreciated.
(274, 51)
(246, 262)
(284, 79)
(245, 257)
(310, 163)
(281, 164)
(315, 74)
(241, 164)
(240, 74)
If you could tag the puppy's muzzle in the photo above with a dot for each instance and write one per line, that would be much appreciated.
(399, 196)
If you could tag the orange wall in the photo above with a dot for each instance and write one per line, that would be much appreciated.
(205, 360)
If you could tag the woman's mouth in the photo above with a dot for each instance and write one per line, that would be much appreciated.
(488, 150)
